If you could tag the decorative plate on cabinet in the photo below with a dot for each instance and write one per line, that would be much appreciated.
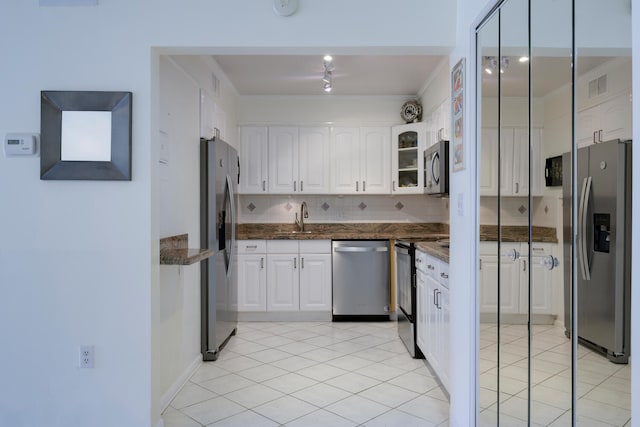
(411, 111)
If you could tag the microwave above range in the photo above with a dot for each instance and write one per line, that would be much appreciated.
(436, 169)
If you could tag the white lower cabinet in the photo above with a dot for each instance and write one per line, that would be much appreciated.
(252, 275)
(283, 285)
(433, 313)
(284, 275)
(315, 281)
(514, 278)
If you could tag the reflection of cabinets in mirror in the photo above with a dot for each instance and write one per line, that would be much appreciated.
(514, 178)
(408, 144)
(604, 122)
(514, 280)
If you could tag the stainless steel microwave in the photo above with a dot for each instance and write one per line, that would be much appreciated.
(436, 169)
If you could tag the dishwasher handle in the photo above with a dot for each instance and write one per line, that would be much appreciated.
(361, 249)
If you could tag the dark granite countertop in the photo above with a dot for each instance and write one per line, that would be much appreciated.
(415, 232)
(344, 231)
(174, 250)
(435, 249)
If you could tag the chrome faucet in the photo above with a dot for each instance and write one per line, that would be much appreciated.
(304, 213)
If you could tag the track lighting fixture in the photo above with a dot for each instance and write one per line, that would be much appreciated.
(328, 73)
(491, 64)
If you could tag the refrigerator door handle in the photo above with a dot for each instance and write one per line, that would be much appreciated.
(232, 222)
(582, 227)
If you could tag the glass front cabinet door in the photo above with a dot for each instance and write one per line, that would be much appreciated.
(409, 143)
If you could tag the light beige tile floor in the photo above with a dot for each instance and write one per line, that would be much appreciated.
(603, 388)
(311, 374)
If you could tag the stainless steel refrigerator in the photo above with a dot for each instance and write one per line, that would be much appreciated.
(219, 177)
(603, 247)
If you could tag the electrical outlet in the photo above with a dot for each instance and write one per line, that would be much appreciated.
(86, 356)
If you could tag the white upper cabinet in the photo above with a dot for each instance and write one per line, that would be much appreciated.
(407, 158)
(375, 162)
(253, 160)
(604, 122)
(345, 160)
(313, 160)
(360, 160)
(489, 162)
(283, 160)
(443, 123)
(514, 162)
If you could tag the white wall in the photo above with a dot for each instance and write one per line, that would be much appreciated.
(320, 110)
(80, 266)
(179, 288)
(437, 88)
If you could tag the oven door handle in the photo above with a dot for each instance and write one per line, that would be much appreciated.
(402, 250)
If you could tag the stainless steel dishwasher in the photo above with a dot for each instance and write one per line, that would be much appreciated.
(361, 279)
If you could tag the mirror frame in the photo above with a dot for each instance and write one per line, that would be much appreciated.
(53, 103)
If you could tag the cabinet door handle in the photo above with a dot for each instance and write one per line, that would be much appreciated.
(295, 265)
(264, 185)
(364, 186)
(394, 185)
(356, 185)
(261, 263)
(438, 299)
(444, 276)
(301, 186)
(434, 297)
(480, 263)
(517, 188)
(600, 135)
(294, 185)
(594, 136)
(524, 265)
(301, 262)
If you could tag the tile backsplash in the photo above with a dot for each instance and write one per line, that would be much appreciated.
(327, 209)
(515, 210)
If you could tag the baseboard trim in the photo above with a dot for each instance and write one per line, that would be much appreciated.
(284, 316)
(168, 396)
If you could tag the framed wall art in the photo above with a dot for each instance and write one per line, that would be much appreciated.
(85, 135)
(457, 116)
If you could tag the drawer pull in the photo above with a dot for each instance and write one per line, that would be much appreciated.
(444, 276)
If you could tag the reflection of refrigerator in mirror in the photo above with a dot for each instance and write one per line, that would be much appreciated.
(602, 249)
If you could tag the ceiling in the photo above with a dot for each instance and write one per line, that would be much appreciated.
(548, 73)
(384, 75)
(403, 75)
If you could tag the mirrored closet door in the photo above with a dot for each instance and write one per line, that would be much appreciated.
(553, 140)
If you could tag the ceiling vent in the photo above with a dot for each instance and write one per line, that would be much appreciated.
(598, 86)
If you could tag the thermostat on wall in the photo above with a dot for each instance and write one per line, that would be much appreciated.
(20, 144)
